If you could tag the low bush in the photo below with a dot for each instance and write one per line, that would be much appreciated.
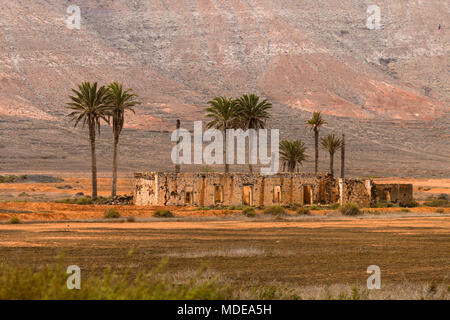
(315, 207)
(81, 200)
(131, 219)
(50, 283)
(111, 214)
(411, 204)
(12, 178)
(382, 204)
(161, 213)
(249, 212)
(275, 211)
(294, 206)
(350, 209)
(405, 210)
(14, 220)
(443, 196)
(440, 210)
(102, 200)
(302, 211)
(437, 203)
(335, 206)
(236, 207)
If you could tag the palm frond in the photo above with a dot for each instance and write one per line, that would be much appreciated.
(331, 143)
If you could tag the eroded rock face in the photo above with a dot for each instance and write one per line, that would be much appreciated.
(303, 56)
(314, 55)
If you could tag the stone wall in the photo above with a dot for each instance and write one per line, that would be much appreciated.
(392, 193)
(210, 189)
(355, 191)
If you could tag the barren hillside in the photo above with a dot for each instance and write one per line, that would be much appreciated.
(387, 89)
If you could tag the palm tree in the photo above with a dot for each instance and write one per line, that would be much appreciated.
(89, 105)
(252, 114)
(120, 100)
(292, 153)
(331, 143)
(223, 114)
(315, 123)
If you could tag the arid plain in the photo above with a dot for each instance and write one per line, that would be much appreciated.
(313, 256)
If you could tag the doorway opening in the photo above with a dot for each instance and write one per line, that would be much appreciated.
(277, 194)
(218, 194)
(248, 195)
(307, 195)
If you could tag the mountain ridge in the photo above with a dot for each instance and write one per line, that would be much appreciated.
(303, 56)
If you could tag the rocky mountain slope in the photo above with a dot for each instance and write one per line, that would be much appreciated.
(387, 89)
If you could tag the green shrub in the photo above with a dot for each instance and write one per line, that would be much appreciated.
(334, 206)
(315, 207)
(111, 214)
(161, 213)
(81, 200)
(50, 283)
(411, 204)
(237, 207)
(275, 211)
(249, 212)
(12, 178)
(293, 206)
(14, 220)
(350, 209)
(102, 200)
(131, 219)
(437, 203)
(302, 211)
(443, 196)
(382, 204)
(405, 210)
(440, 210)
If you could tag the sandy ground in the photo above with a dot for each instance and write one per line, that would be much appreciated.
(439, 224)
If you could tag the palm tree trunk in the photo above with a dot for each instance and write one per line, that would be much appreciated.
(227, 166)
(331, 164)
(114, 176)
(93, 160)
(250, 147)
(343, 157)
(316, 155)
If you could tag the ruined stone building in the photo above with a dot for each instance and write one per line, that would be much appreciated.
(220, 189)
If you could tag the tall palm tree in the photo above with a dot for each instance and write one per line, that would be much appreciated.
(120, 100)
(292, 153)
(331, 143)
(315, 123)
(223, 114)
(252, 114)
(89, 105)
